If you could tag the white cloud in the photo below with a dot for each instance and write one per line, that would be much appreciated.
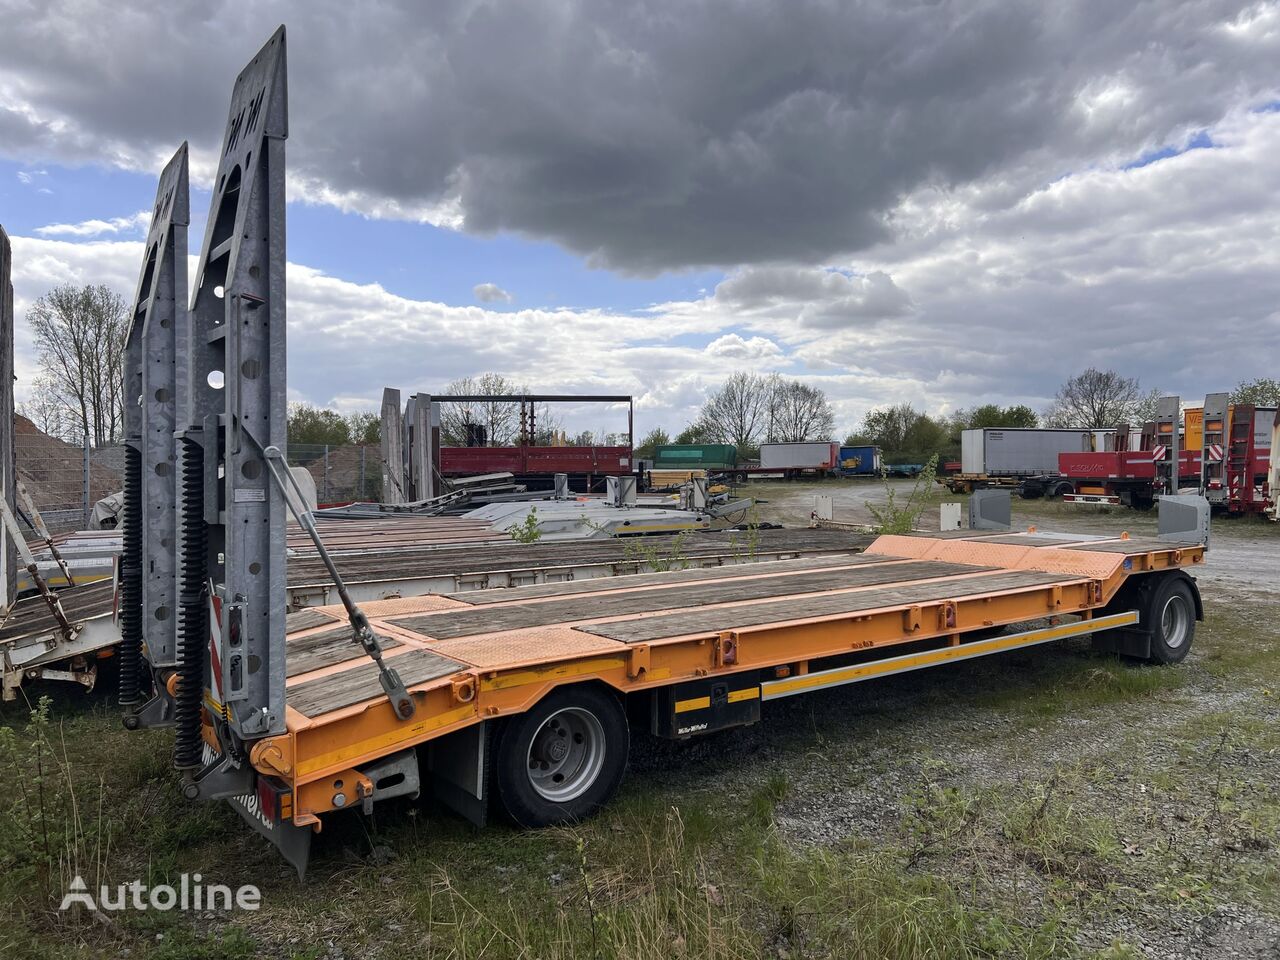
(733, 347)
(137, 223)
(491, 293)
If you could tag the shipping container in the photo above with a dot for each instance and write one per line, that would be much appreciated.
(1009, 452)
(817, 455)
(695, 456)
(859, 461)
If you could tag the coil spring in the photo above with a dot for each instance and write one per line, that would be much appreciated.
(131, 582)
(192, 614)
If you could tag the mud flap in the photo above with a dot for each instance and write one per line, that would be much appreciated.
(269, 810)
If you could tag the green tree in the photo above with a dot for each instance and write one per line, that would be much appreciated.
(657, 437)
(1262, 392)
(365, 427)
(693, 433)
(316, 425)
(990, 415)
(904, 434)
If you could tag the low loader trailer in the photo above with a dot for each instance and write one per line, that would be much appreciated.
(519, 701)
(525, 699)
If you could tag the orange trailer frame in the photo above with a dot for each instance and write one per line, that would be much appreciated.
(766, 630)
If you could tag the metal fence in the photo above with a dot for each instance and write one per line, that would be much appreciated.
(65, 479)
(341, 473)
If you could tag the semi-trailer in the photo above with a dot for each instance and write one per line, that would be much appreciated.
(794, 459)
(518, 701)
(1003, 456)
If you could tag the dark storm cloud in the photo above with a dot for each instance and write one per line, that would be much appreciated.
(643, 135)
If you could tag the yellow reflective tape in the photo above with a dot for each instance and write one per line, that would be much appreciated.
(558, 671)
(697, 703)
(702, 703)
(864, 671)
(382, 743)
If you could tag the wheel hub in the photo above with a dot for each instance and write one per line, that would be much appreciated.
(566, 755)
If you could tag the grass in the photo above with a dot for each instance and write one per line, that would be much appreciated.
(1017, 807)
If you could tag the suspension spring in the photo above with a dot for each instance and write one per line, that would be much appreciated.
(131, 582)
(193, 630)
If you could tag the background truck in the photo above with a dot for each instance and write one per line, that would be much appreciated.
(1003, 456)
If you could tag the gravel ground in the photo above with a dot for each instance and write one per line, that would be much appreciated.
(870, 762)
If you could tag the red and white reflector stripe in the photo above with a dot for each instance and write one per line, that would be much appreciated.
(1158, 452)
(1213, 452)
(215, 642)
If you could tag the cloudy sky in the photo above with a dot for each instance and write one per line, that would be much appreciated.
(938, 202)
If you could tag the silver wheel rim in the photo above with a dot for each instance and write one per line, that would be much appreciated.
(1174, 620)
(566, 755)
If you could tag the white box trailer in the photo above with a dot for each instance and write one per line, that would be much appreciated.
(1011, 452)
(819, 455)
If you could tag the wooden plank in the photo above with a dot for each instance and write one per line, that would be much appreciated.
(524, 616)
(304, 654)
(372, 564)
(337, 690)
(711, 622)
(598, 584)
(305, 620)
(31, 616)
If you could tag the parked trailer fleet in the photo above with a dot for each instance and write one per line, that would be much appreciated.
(518, 701)
(1002, 456)
(1223, 452)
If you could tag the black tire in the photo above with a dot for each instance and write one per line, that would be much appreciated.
(1170, 615)
(528, 757)
(1057, 491)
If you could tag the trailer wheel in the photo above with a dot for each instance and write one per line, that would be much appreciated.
(562, 760)
(1059, 490)
(1171, 614)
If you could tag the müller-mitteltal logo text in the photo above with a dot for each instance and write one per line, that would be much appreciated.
(190, 893)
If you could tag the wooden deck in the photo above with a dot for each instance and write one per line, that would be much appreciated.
(496, 630)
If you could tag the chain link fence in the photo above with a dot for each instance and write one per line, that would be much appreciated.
(65, 480)
(342, 473)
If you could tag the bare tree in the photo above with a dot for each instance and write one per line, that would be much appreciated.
(800, 412)
(499, 418)
(50, 413)
(80, 334)
(1101, 398)
(738, 412)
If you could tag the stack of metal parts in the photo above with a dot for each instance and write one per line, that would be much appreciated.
(461, 495)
